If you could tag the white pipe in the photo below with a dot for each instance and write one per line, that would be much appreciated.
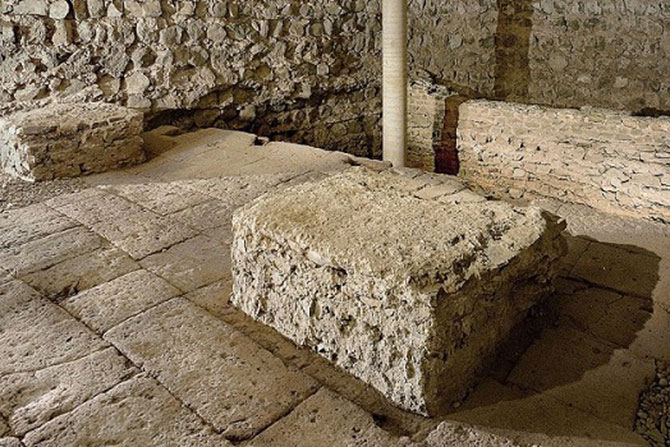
(394, 106)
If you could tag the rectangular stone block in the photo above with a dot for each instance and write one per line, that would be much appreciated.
(410, 295)
(69, 139)
(610, 161)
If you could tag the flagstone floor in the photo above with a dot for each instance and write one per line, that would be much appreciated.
(115, 327)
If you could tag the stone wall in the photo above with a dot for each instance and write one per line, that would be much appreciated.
(310, 71)
(304, 71)
(612, 161)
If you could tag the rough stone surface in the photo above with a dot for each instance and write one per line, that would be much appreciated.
(321, 264)
(37, 334)
(80, 273)
(191, 264)
(453, 434)
(30, 399)
(326, 419)
(136, 412)
(69, 139)
(32, 222)
(225, 377)
(613, 162)
(107, 305)
(48, 251)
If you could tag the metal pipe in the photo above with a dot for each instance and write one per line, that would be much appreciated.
(394, 105)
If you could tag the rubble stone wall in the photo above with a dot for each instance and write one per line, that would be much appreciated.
(611, 161)
(307, 71)
(310, 71)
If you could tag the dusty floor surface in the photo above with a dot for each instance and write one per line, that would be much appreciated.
(115, 327)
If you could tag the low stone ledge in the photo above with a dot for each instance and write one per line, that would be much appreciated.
(69, 139)
(610, 161)
(409, 294)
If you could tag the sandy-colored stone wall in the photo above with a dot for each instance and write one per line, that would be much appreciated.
(285, 68)
(611, 161)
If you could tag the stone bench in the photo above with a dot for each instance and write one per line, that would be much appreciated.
(69, 139)
(407, 292)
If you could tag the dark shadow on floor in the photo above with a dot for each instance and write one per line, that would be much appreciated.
(603, 300)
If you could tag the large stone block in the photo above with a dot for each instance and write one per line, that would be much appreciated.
(409, 294)
(69, 139)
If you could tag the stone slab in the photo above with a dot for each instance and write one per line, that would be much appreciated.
(326, 419)
(10, 442)
(32, 222)
(70, 139)
(80, 273)
(191, 264)
(161, 198)
(107, 305)
(30, 399)
(143, 233)
(37, 334)
(362, 271)
(48, 251)
(138, 412)
(454, 434)
(92, 206)
(585, 373)
(232, 383)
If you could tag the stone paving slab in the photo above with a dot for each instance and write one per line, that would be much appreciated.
(212, 214)
(93, 205)
(161, 198)
(143, 233)
(238, 190)
(48, 251)
(632, 272)
(32, 222)
(585, 373)
(231, 382)
(138, 412)
(10, 442)
(107, 305)
(326, 419)
(538, 419)
(31, 399)
(37, 334)
(452, 434)
(80, 273)
(191, 264)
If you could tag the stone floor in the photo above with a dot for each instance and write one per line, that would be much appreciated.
(115, 327)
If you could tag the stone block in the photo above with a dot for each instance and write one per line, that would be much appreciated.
(408, 294)
(69, 139)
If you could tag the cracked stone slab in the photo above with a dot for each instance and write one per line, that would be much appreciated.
(107, 305)
(30, 399)
(407, 294)
(212, 214)
(37, 334)
(161, 198)
(143, 233)
(138, 412)
(32, 222)
(231, 382)
(80, 273)
(326, 419)
(48, 251)
(93, 205)
(191, 264)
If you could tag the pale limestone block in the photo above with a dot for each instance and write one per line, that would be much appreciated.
(398, 291)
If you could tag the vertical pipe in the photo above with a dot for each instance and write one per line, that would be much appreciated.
(394, 106)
